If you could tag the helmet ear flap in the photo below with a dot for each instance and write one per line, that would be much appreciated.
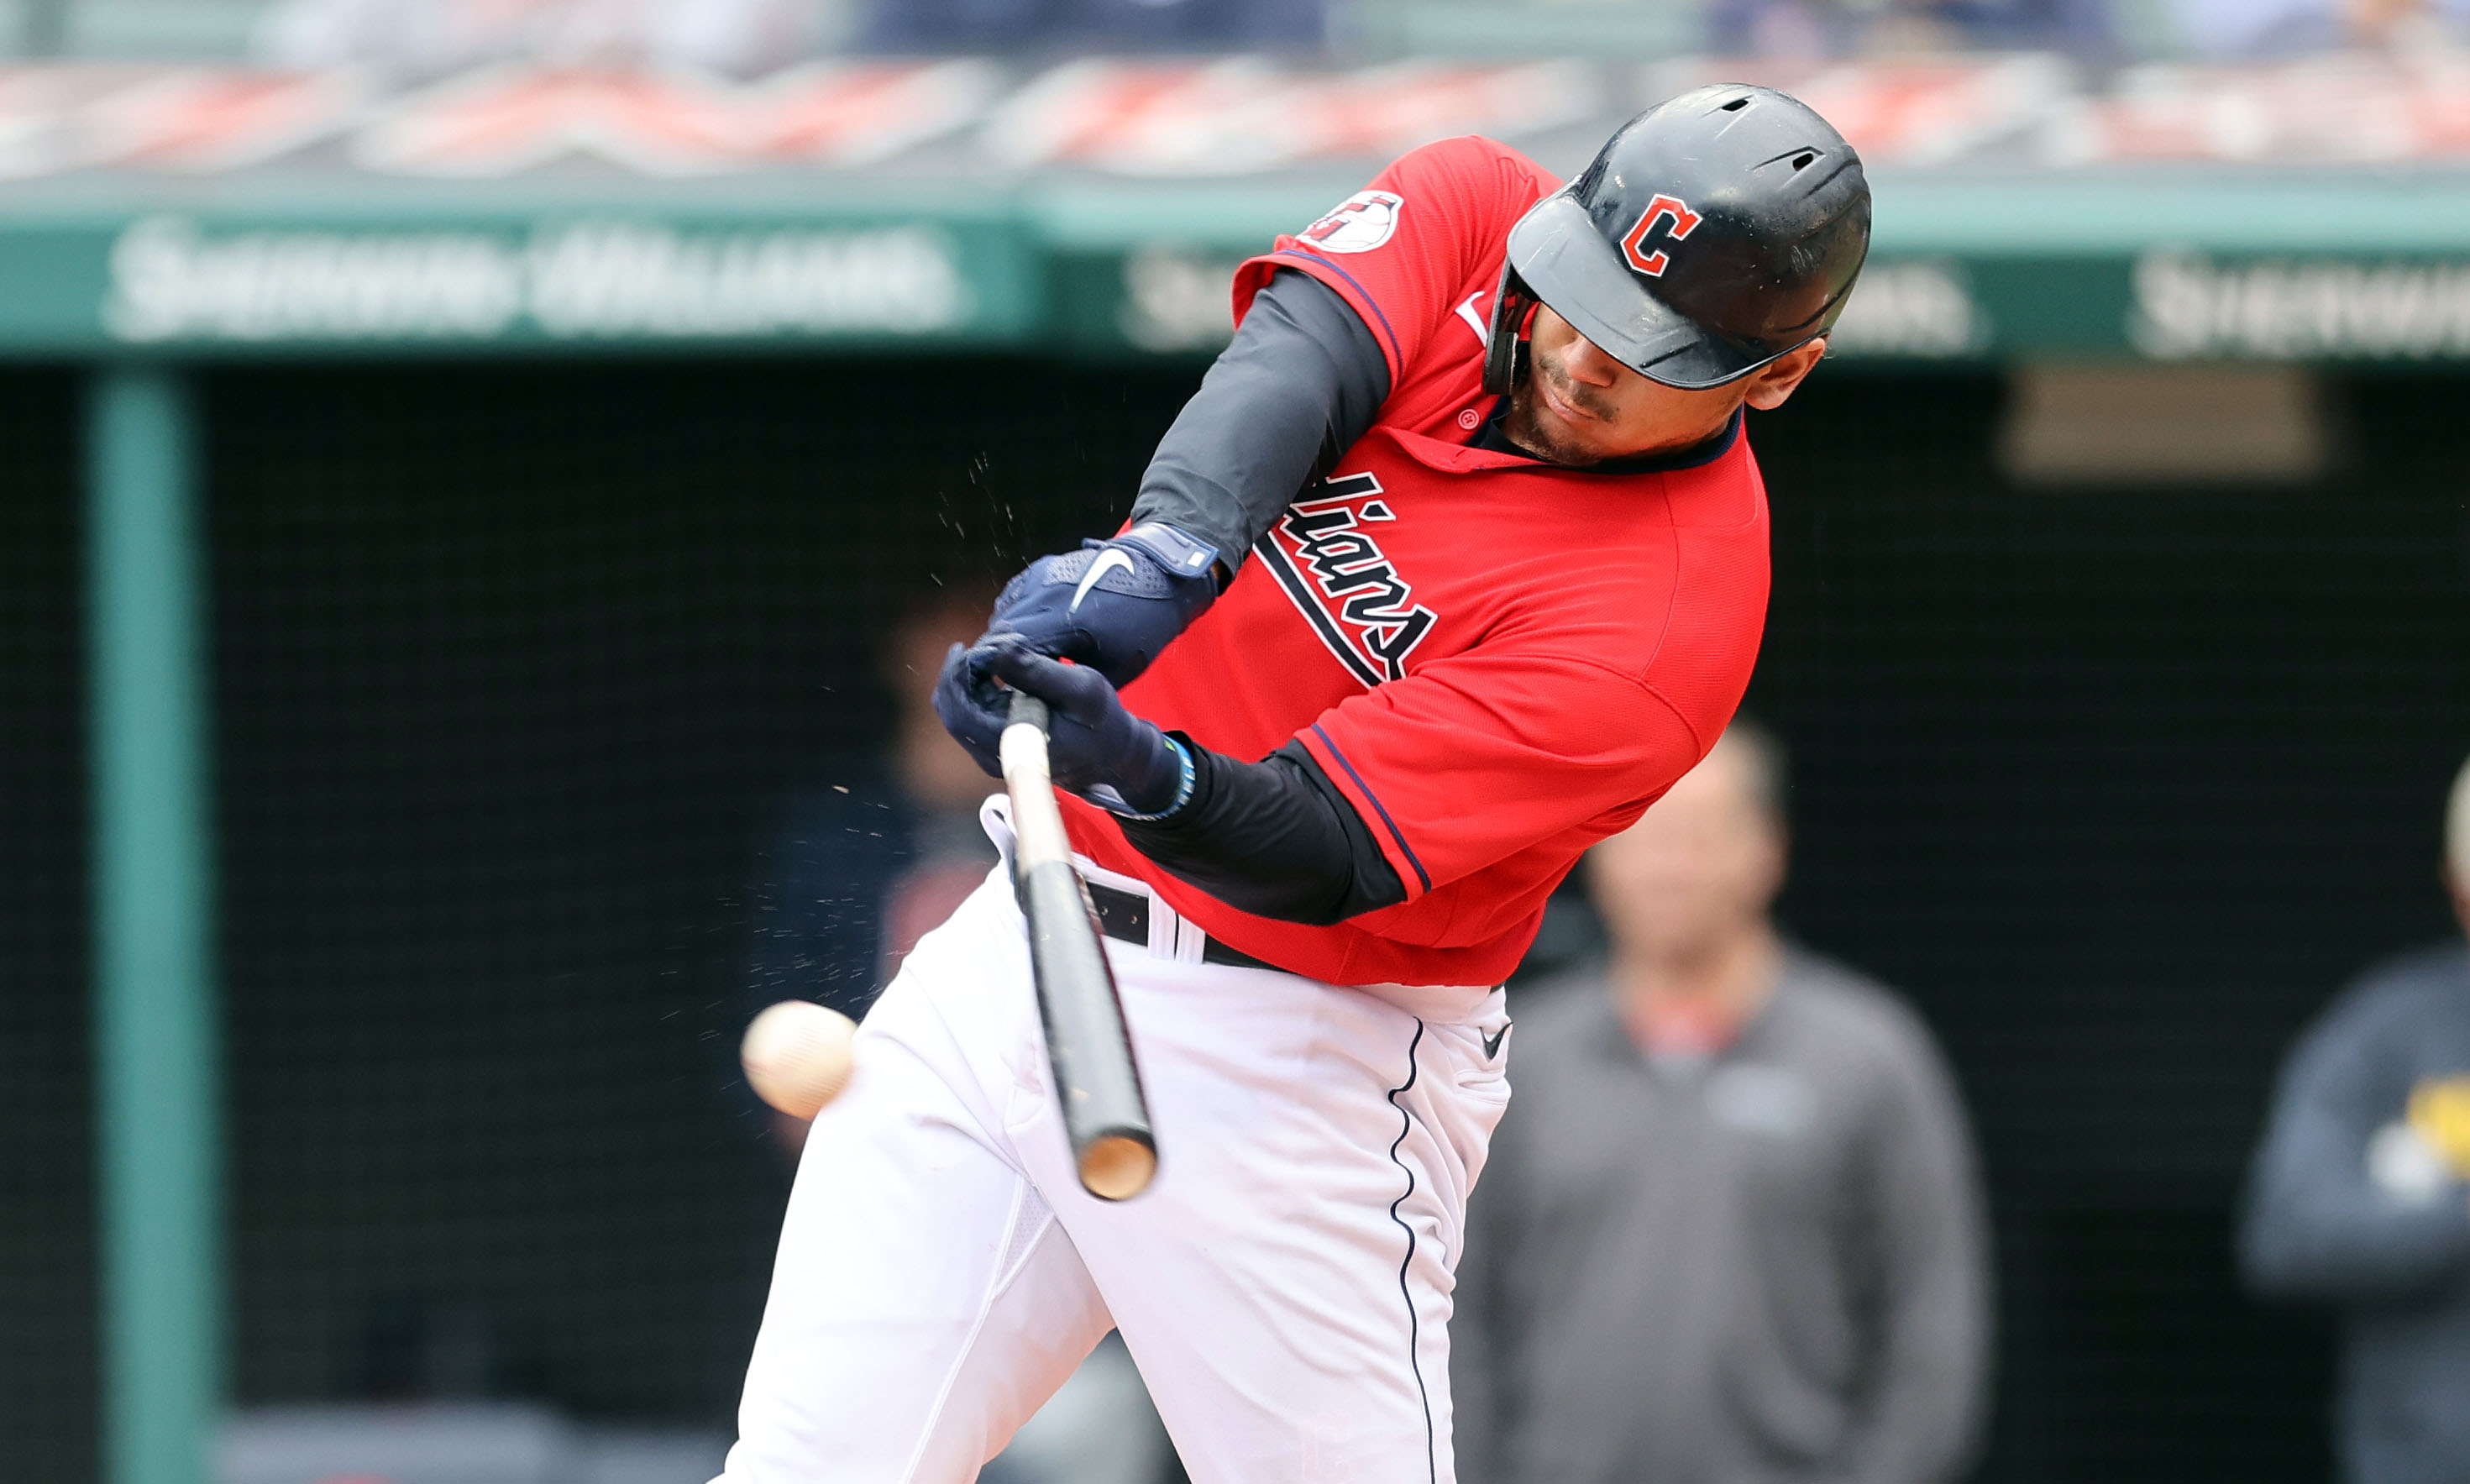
(1511, 304)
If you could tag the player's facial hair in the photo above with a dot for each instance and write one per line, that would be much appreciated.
(1526, 428)
(1565, 387)
(1526, 425)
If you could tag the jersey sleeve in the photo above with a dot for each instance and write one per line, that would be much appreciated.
(1479, 755)
(1401, 251)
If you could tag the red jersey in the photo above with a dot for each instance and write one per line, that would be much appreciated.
(1496, 661)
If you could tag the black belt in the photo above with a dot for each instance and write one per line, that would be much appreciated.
(1125, 917)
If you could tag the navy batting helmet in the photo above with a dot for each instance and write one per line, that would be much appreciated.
(1711, 234)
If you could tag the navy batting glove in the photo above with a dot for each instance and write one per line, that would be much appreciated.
(1094, 747)
(973, 706)
(1112, 605)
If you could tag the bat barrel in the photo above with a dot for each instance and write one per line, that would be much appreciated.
(1096, 1083)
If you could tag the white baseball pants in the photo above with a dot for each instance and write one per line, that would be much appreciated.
(1284, 1284)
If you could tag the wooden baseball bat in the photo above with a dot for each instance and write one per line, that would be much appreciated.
(1104, 1114)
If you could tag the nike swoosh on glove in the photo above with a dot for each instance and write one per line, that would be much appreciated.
(1112, 605)
(1094, 747)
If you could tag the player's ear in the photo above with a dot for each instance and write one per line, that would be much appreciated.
(1772, 385)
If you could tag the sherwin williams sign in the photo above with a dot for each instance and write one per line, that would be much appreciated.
(2191, 305)
(2094, 270)
(172, 280)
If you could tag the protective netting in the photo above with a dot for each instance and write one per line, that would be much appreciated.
(47, 1295)
(515, 669)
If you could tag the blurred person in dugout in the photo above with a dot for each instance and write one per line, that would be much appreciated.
(1729, 1230)
(875, 849)
(2360, 1196)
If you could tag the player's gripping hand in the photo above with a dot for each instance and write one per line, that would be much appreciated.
(1112, 605)
(1094, 747)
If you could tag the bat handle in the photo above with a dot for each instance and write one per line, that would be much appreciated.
(1027, 711)
(1037, 829)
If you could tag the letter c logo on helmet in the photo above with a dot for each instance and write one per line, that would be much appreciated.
(1634, 245)
(1692, 296)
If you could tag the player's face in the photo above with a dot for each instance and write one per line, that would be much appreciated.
(1696, 870)
(1577, 406)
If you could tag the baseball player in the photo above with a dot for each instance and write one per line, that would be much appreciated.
(1456, 561)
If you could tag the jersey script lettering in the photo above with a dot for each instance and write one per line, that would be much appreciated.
(1342, 582)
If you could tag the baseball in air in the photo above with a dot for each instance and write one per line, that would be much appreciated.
(796, 1056)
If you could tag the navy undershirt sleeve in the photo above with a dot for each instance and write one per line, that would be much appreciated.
(1273, 838)
(1301, 382)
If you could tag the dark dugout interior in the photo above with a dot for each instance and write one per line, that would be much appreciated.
(513, 663)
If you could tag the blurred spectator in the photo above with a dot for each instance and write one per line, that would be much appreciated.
(1839, 28)
(2360, 1198)
(424, 37)
(1095, 25)
(867, 859)
(876, 849)
(2264, 28)
(1729, 1230)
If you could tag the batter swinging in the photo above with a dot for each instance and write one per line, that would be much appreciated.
(1456, 561)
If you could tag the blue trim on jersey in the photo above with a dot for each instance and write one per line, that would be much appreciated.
(1414, 1335)
(1404, 848)
(1395, 354)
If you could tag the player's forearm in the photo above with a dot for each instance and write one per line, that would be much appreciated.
(2318, 1226)
(1301, 382)
(1273, 838)
(2353, 1244)
(1919, 1408)
(1918, 1422)
(1925, 1440)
